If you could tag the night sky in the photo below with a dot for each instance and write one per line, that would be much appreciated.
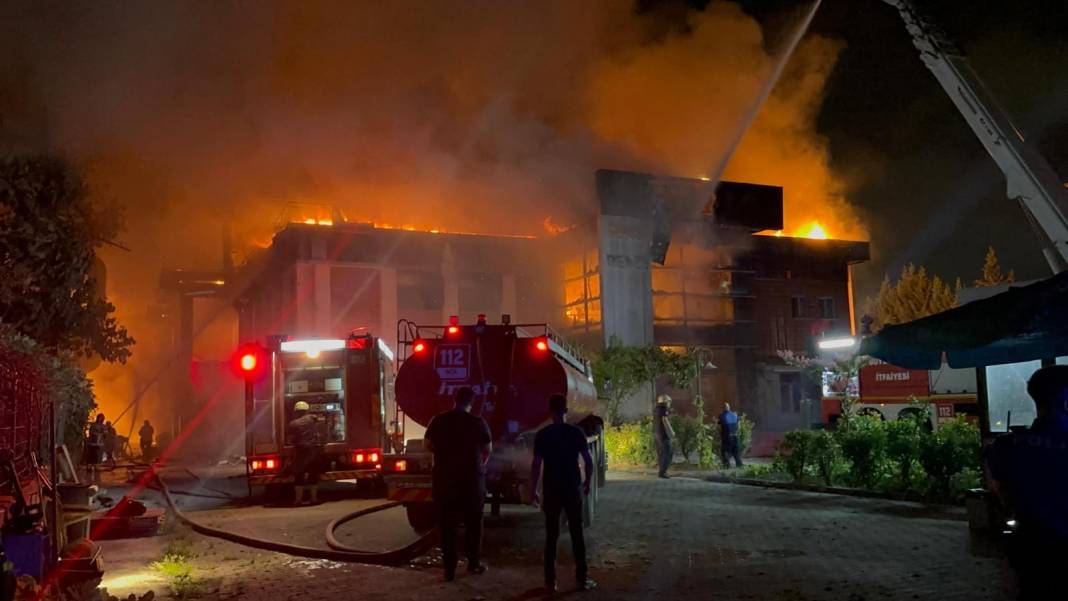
(929, 192)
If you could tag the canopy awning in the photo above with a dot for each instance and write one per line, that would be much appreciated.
(1021, 324)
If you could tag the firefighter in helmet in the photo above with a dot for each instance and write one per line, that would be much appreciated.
(307, 465)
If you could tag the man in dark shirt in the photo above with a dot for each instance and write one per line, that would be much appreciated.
(461, 445)
(663, 434)
(306, 431)
(728, 437)
(147, 434)
(558, 447)
(1029, 470)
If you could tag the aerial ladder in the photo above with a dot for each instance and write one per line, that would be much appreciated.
(1030, 179)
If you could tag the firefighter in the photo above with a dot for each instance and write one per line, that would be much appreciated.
(461, 444)
(558, 447)
(147, 433)
(1029, 472)
(306, 430)
(94, 444)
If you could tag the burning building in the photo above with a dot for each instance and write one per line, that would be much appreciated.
(644, 271)
(678, 263)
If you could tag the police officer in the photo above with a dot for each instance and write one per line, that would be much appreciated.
(306, 430)
(1029, 472)
(461, 445)
(728, 437)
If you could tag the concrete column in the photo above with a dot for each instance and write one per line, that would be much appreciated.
(322, 315)
(387, 327)
(451, 278)
(509, 297)
(626, 280)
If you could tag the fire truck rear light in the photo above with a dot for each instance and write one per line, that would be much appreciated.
(248, 362)
(373, 457)
(357, 343)
(541, 345)
(400, 466)
(419, 346)
(378, 466)
(358, 458)
(270, 464)
(264, 464)
(454, 329)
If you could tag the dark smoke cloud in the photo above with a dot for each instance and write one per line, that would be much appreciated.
(482, 116)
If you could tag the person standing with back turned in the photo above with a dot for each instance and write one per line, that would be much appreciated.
(1029, 472)
(557, 448)
(461, 445)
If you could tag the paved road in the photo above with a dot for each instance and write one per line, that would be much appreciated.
(654, 539)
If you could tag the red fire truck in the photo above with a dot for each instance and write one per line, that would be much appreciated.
(513, 370)
(892, 392)
(347, 384)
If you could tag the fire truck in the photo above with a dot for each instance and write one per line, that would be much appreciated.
(892, 392)
(348, 385)
(513, 370)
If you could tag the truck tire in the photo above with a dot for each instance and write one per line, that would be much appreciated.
(601, 458)
(421, 516)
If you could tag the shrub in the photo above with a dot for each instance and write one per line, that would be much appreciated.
(761, 471)
(631, 443)
(177, 567)
(862, 439)
(904, 438)
(794, 455)
(825, 454)
(952, 448)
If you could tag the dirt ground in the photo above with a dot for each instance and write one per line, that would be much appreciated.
(653, 539)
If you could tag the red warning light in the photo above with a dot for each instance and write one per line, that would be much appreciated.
(454, 329)
(248, 362)
(541, 345)
(419, 346)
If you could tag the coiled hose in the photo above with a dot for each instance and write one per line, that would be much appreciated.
(337, 551)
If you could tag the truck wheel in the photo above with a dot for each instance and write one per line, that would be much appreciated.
(601, 458)
(421, 516)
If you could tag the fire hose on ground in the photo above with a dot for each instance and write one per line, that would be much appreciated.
(337, 550)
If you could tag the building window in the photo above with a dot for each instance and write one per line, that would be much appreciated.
(582, 292)
(827, 309)
(797, 307)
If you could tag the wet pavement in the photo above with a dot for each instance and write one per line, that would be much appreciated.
(664, 539)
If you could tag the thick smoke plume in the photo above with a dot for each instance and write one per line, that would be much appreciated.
(471, 116)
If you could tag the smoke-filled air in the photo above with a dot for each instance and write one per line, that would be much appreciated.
(428, 114)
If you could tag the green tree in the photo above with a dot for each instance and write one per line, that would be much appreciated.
(49, 232)
(620, 370)
(915, 294)
(992, 275)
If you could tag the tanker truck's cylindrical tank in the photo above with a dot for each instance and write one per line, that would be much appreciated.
(512, 379)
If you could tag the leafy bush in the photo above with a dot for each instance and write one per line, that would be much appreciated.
(951, 449)
(763, 471)
(904, 437)
(794, 453)
(963, 481)
(631, 443)
(177, 567)
(824, 454)
(694, 436)
(67, 387)
(862, 439)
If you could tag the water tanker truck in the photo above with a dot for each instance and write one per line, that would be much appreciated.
(513, 369)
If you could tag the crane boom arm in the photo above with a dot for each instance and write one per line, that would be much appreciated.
(1029, 178)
